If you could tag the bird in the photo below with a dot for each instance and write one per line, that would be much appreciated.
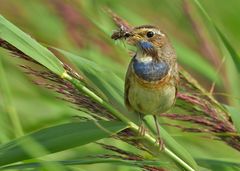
(152, 75)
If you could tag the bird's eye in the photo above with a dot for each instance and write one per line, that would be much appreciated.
(150, 34)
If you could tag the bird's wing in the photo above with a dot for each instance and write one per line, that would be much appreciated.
(176, 79)
(127, 86)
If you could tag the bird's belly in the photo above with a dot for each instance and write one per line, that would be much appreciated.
(151, 101)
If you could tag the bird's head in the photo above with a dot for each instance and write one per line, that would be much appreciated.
(148, 39)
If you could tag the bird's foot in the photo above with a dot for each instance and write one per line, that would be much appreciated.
(160, 143)
(142, 130)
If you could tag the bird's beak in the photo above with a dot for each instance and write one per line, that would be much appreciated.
(133, 39)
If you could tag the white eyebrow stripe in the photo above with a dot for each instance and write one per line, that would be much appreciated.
(157, 32)
(160, 33)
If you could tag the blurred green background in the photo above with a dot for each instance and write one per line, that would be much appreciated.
(84, 28)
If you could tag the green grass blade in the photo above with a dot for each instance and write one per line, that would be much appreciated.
(85, 161)
(225, 41)
(29, 46)
(220, 164)
(58, 138)
(231, 50)
(101, 78)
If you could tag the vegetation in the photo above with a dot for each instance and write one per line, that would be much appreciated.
(62, 95)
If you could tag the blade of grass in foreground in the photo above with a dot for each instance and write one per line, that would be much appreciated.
(220, 164)
(84, 161)
(29, 46)
(225, 41)
(58, 138)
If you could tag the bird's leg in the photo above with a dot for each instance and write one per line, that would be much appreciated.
(159, 140)
(141, 129)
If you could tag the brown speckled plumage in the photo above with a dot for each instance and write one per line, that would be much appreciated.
(152, 75)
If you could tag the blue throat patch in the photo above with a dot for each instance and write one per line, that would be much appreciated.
(150, 71)
(145, 45)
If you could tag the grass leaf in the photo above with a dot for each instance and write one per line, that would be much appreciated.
(58, 138)
(231, 50)
(225, 41)
(110, 84)
(85, 161)
(220, 164)
(29, 46)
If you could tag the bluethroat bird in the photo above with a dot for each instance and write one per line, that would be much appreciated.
(152, 75)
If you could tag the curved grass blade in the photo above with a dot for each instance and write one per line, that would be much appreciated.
(109, 83)
(84, 161)
(225, 41)
(231, 50)
(58, 138)
(29, 46)
(219, 164)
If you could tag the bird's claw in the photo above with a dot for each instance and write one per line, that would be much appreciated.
(142, 130)
(160, 143)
